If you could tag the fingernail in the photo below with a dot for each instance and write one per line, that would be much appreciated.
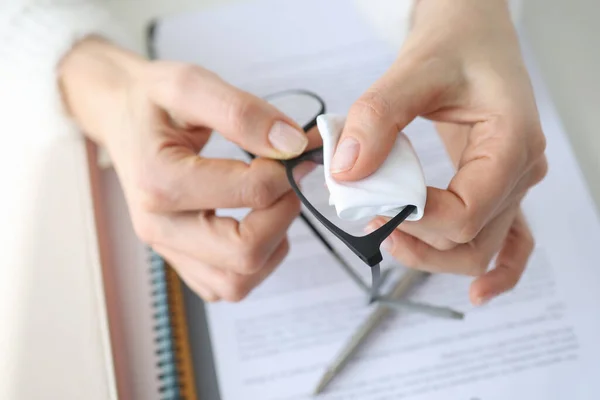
(345, 155)
(287, 139)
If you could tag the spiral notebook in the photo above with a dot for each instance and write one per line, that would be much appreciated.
(171, 333)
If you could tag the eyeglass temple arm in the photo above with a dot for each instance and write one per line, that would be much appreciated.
(366, 247)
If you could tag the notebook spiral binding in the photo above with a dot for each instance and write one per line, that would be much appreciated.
(170, 386)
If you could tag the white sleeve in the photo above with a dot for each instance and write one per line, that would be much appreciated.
(36, 34)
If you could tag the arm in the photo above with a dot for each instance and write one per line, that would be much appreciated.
(392, 18)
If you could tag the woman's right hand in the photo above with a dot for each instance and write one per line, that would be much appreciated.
(153, 118)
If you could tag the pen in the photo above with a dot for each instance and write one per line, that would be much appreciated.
(404, 284)
(435, 311)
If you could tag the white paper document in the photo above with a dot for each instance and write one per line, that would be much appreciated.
(541, 341)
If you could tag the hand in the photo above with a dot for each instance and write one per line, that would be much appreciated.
(153, 118)
(460, 67)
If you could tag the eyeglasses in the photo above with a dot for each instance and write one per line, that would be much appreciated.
(306, 177)
(304, 107)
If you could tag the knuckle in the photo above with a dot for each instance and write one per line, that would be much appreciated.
(371, 105)
(184, 76)
(478, 262)
(539, 170)
(467, 229)
(442, 244)
(210, 297)
(258, 193)
(234, 289)
(144, 229)
(249, 259)
(155, 194)
(155, 199)
(537, 145)
(242, 109)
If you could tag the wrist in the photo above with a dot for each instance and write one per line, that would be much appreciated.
(463, 22)
(464, 8)
(94, 78)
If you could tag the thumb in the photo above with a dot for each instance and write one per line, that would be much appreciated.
(376, 118)
(199, 97)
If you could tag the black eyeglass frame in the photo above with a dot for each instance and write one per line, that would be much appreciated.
(367, 247)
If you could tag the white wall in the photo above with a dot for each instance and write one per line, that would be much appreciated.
(566, 41)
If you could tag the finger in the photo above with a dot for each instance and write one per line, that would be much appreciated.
(466, 259)
(510, 264)
(375, 119)
(314, 138)
(223, 284)
(183, 265)
(455, 138)
(191, 137)
(436, 238)
(430, 232)
(178, 180)
(489, 170)
(234, 287)
(200, 97)
(226, 243)
(532, 177)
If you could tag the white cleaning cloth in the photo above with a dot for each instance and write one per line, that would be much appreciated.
(399, 181)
